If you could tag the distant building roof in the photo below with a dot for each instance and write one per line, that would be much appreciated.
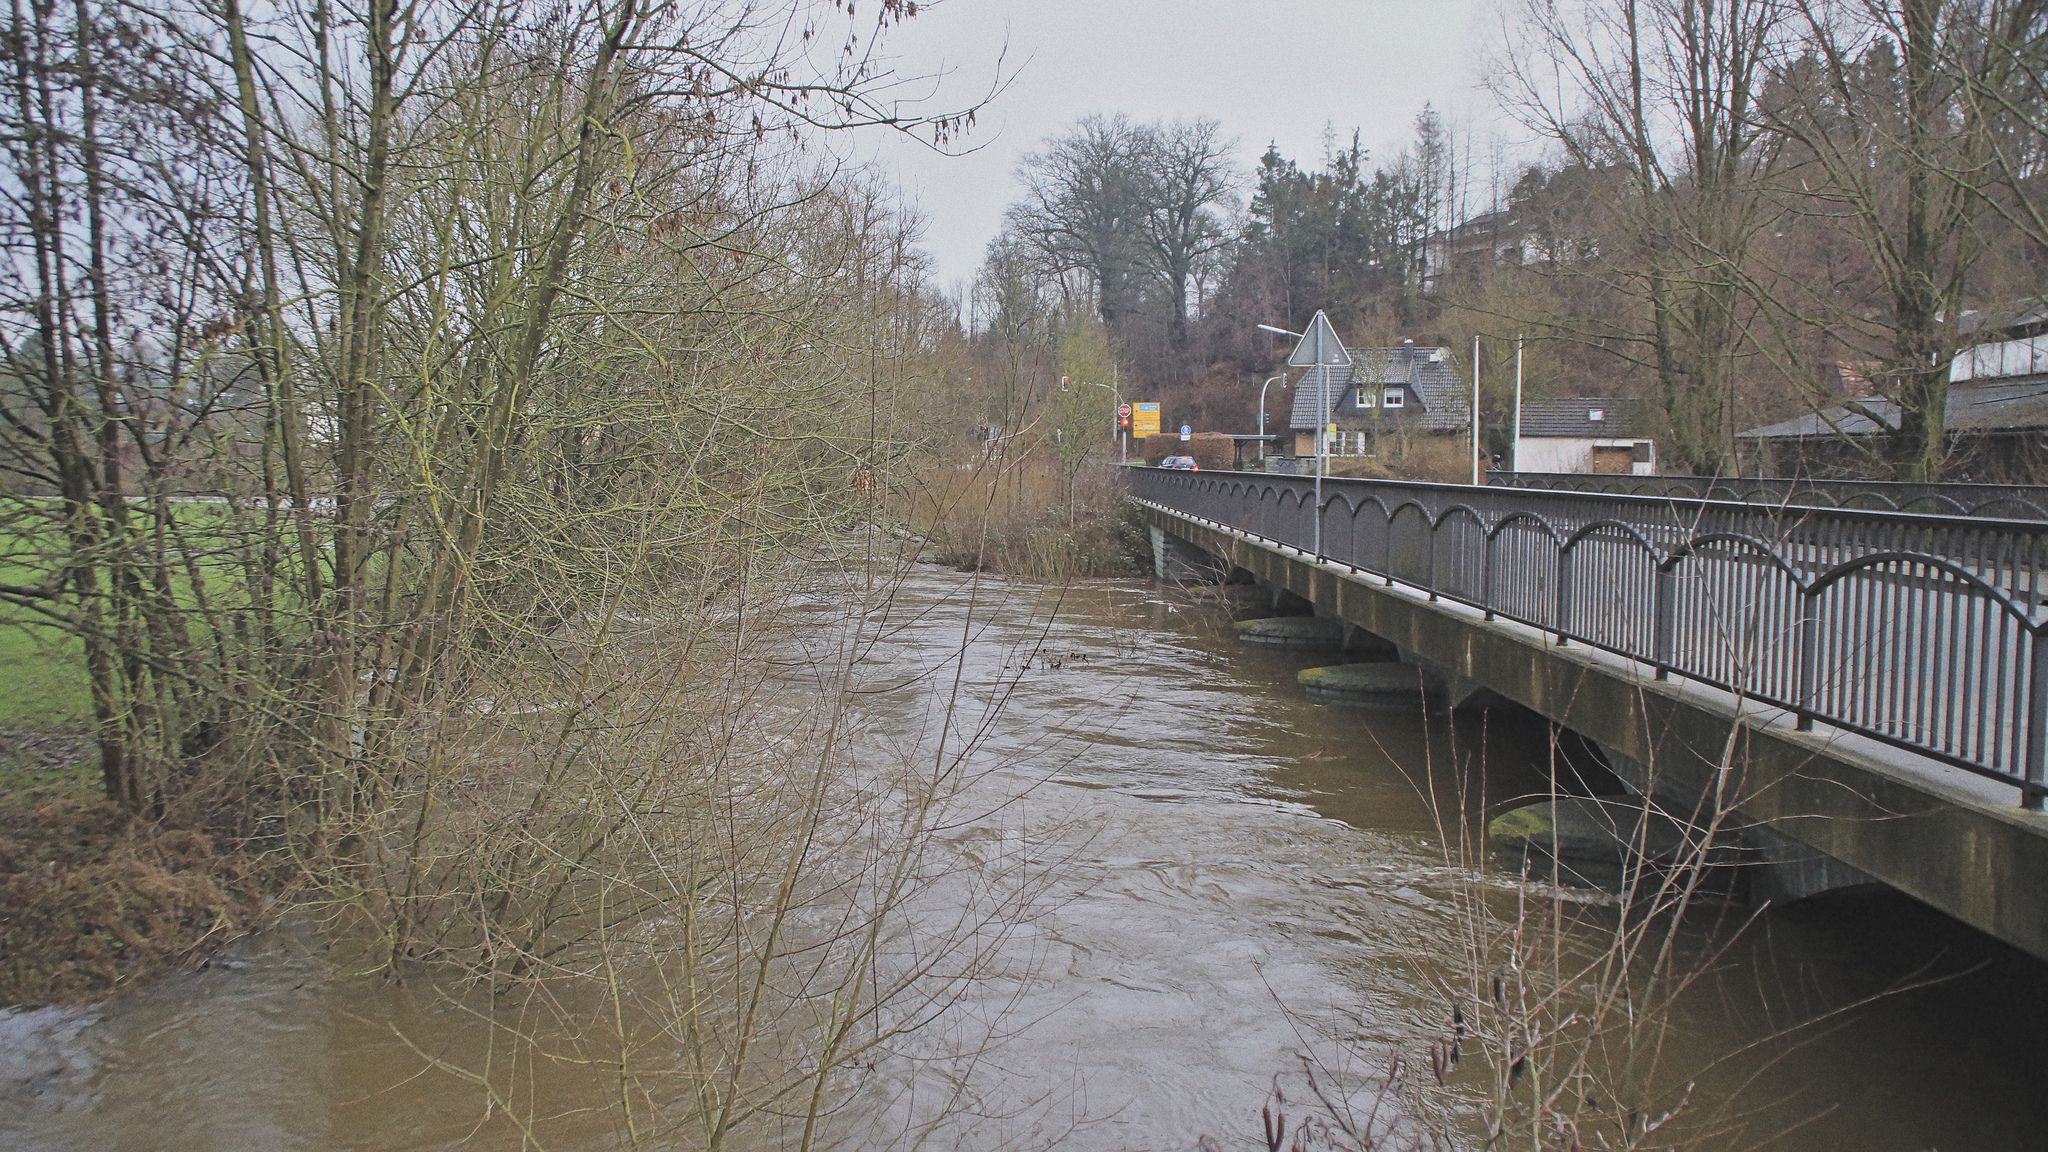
(2018, 318)
(1485, 225)
(1589, 419)
(2005, 405)
(1427, 374)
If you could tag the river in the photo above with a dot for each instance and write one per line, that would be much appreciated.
(1243, 877)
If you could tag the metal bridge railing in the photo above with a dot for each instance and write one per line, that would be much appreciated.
(1924, 632)
(2006, 501)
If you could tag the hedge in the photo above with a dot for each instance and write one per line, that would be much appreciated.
(1212, 450)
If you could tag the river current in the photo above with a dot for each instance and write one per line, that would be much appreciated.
(1243, 878)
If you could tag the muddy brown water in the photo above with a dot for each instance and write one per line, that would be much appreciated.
(1239, 863)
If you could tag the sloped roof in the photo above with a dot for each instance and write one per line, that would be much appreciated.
(1427, 373)
(1992, 407)
(1618, 419)
(2013, 318)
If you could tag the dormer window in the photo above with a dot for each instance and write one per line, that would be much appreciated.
(1363, 398)
(1393, 398)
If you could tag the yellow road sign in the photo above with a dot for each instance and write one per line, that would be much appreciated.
(1145, 418)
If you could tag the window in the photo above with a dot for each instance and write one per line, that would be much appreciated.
(1596, 415)
(1363, 398)
(1393, 398)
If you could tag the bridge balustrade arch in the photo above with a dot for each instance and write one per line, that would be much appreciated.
(1691, 549)
(1961, 575)
(1572, 540)
(1521, 570)
(1734, 611)
(1251, 493)
(1927, 652)
(1537, 519)
(1295, 517)
(1407, 551)
(1458, 559)
(1340, 539)
(1607, 585)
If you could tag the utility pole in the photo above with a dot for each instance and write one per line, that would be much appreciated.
(1475, 411)
(1123, 432)
(1515, 447)
(1322, 434)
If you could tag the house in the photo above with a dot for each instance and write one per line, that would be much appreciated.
(1995, 417)
(1384, 392)
(1585, 435)
(1499, 237)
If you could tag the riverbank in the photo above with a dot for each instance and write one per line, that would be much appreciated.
(93, 899)
(1025, 518)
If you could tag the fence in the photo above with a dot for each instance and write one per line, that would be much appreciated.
(1924, 632)
(2007, 501)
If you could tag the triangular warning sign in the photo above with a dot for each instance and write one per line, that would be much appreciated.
(1319, 345)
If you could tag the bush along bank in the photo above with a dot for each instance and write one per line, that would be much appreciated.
(1033, 523)
(95, 898)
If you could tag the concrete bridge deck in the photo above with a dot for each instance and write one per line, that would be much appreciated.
(1861, 807)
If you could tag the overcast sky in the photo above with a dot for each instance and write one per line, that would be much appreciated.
(1270, 70)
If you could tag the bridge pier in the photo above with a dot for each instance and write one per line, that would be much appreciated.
(1458, 691)
(1177, 560)
(1777, 868)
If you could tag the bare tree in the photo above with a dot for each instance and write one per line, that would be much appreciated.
(1898, 117)
(1186, 174)
(1132, 209)
(1083, 208)
(2013, 92)
(1665, 91)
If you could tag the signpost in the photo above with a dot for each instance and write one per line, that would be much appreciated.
(1186, 432)
(1145, 418)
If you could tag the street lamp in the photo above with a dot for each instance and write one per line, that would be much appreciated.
(1322, 372)
(1117, 397)
(1279, 331)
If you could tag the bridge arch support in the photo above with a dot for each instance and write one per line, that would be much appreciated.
(1175, 559)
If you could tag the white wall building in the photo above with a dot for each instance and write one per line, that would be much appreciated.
(1604, 436)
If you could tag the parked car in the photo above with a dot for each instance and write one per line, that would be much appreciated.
(1180, 464)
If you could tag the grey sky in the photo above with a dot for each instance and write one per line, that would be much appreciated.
(1278, 70)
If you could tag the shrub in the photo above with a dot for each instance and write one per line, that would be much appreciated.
(1211, 450)
(1153, 449)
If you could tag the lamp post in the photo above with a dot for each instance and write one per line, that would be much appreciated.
(1116, 397)
(1322, 372)
(1262, 415)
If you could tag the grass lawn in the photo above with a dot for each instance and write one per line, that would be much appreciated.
(90, 898)
(42, 671)
(42, 677)
(43, 683)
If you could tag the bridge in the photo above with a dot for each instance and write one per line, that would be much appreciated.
(1864, 689)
